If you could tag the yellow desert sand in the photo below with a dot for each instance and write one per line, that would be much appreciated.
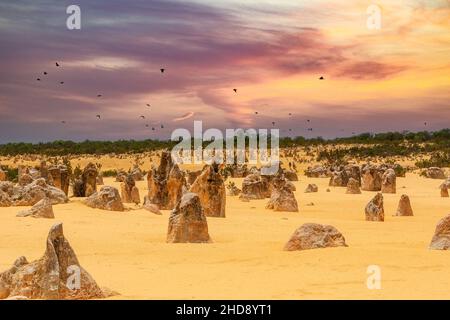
(127, 251)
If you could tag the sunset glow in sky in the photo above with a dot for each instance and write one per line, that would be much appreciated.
(271, 51)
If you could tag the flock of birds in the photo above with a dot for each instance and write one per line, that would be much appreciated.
(162, 70)
(189, 114)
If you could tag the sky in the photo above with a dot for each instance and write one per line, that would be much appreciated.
(273, 52)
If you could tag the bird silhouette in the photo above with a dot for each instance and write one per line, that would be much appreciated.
(143, 117)
(425, 123)
(146, 125)
(308, 120)
(235, 90)
(321, 78)
(273, 123)
(99, 95)
(148, 104)
(256, 112)
(38, 79)
(162, 126)
(290, 114)
(153, 129)
(62, 82)
(57, 64)
(98, 117)
(45, 72)
(162, 70)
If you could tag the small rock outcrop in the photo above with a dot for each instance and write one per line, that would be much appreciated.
(187, 222)
(282, 197)
(313, 236)
(59, 175)
(166, 183)
(210, 188)
(42, 209)
(129, 191)
(232, 189)
(441, 237)
(444, 191)
(404, 207)
(87, 184)
(34, 192)
(371, 178)
(311, 188)
(434, 173)
(108, 198)
(255, 187)
(153, 208)
(388, 182)
(57, 275)
(375, 209)
(353, 187)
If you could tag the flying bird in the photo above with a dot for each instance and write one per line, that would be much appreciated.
(57, 64)
(99, 95)
(148, 104)
(321, 78)
(146, 125)
(98, 117)
(162, 70)
(62, 82)
(308, 120)
(38, 79)
(153, 129)
(143, 117)
(290, 114)
(45, 72)
(235, 90)
(256, 112)
(162, 126)
(184, 116)
(273, 123)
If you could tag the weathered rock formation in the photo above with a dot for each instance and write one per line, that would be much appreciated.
(282, 197)
(232, 189)
(210, 188)
(404, 207)
(165, 184)
(42, 209)
(311, 188)
(57, 275)
(313, 236)
(187, 222)
(254, 186)
(353, 187)
(441, 237)
(444, 191)
(108, 198)
(317, 172)
(375, 209)
(129, 191)
(434, 173)
(59, 177)
(35, 191)
(371, 178)
(389, 181)
(87, 185)
(153, 208)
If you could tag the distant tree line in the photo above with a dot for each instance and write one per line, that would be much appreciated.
(379, 144)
